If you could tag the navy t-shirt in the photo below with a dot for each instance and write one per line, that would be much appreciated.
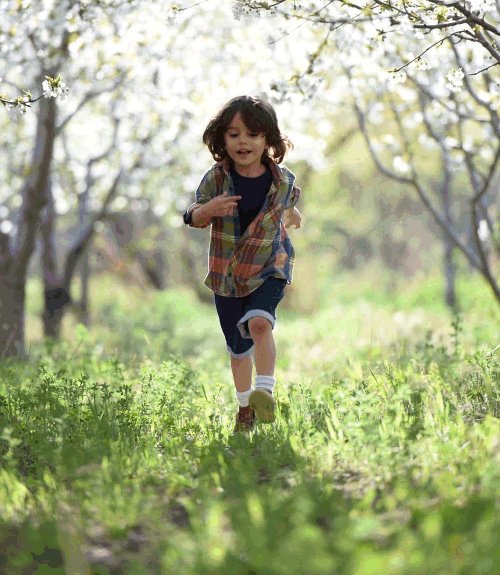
(253, 192)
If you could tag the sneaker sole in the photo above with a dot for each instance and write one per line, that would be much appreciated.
(263, 404)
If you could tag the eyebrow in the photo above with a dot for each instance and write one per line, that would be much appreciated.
(248, 130)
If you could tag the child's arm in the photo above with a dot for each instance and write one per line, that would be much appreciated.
(219, 206)
(292, 217)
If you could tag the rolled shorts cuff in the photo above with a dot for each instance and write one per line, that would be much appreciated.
(247, 353)
(249, 315)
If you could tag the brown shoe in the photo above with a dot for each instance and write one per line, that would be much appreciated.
(245, 419)
(263, 403)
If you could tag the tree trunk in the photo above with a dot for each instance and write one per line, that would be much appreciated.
(58, 286)
(56, 296)
(15, 255)
(83, 304)
(450, 294)
(12, 297)
(449, 275)
(84, 297)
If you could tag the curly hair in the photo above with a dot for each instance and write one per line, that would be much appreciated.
(258, 116)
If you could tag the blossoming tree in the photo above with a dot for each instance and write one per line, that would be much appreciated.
(424, 82)
(128, 67)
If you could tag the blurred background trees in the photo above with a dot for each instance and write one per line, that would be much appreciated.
(396, 143)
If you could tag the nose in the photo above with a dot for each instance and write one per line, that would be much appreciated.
(242, 138)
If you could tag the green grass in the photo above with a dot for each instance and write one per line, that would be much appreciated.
(117, 453)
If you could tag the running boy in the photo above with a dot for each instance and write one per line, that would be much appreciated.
(249, 200)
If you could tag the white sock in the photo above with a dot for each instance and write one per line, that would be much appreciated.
(266, 382)
(242, 397)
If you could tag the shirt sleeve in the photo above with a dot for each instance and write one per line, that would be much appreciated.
(204, 193)
(293, 194)
(293, 197)
(206, 190)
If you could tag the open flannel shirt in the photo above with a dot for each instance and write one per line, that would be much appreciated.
(239, 264)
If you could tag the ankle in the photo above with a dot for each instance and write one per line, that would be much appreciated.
(266, 382)
(242, 397)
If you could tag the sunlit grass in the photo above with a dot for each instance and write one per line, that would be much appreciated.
(118, 454)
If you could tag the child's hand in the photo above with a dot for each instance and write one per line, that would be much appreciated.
(292, 217)
(222, 205)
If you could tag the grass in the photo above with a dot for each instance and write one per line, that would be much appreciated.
(117, 453)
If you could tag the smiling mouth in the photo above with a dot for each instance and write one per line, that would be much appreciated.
(243, 152)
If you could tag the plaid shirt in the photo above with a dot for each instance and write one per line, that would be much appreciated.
(239, 264)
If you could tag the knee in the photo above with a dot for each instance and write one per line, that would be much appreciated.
(259, 327)
(239, 361)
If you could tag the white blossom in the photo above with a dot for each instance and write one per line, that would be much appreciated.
(240, 9)
(482, 231)
(451, 142)
(54, 88)
(170, 14)
(16, 110)
(455, 79)
(422, 64)
(396, 78)
(482, 5)
(400, 165)
(6, 227)
(468, 145)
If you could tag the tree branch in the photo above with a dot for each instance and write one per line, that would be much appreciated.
(87, 98)
(468, 85)
(80, 243)
(414, 183)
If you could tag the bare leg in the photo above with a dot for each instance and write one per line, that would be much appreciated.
(242, 372)
(265, 348)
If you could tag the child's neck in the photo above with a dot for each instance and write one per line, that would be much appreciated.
(250, 171)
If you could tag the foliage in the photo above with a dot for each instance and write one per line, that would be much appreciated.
(471, 23)
(383, 458)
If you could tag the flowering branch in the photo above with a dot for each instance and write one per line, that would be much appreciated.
(423, 16)
(51, 88)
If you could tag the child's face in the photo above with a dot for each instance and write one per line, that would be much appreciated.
(243, 146)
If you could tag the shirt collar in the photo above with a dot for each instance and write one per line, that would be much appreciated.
(273, 166)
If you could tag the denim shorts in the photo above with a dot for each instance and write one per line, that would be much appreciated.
(234, 313)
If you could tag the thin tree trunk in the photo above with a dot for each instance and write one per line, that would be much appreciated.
(58, 286)
(84, 297)
(450, 272)
(449, 275)
(12, 298)
(56, 296)
(83, 217)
